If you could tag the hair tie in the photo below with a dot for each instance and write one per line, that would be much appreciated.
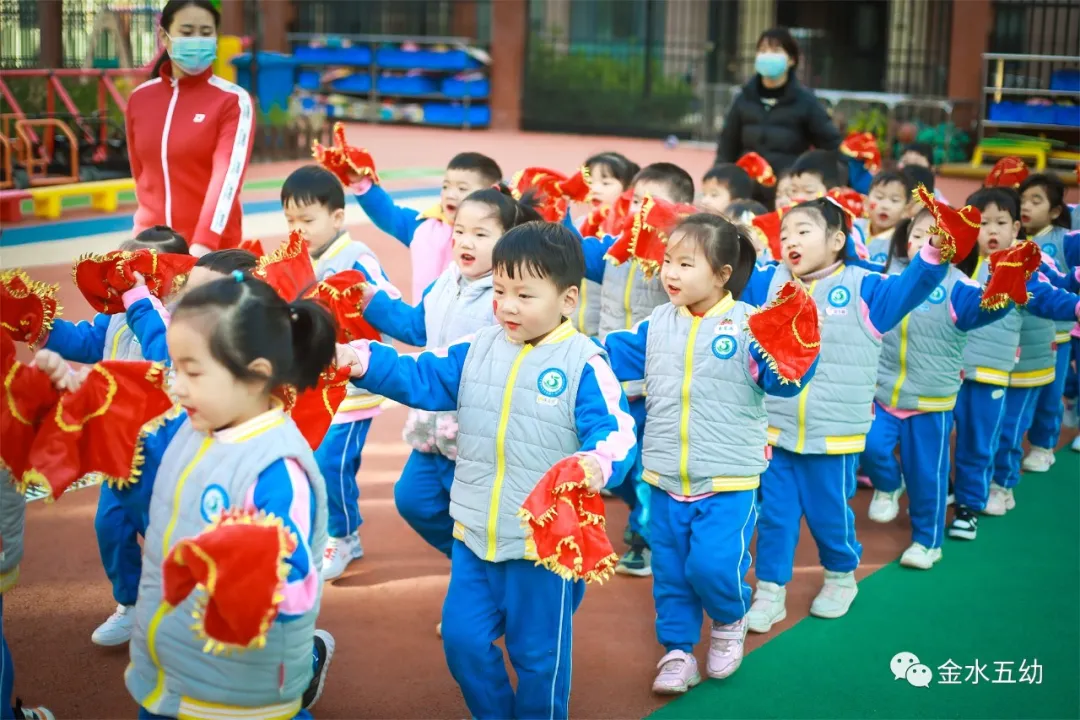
(237, 276)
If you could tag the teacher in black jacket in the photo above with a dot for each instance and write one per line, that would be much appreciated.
(774, 115)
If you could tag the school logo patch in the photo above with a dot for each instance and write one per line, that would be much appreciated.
(938, 296)
(1050, 250)
(724, 346)
(214, 500)
(839, 297)
(552, 383)
(879, 258)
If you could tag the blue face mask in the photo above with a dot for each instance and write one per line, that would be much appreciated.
(193, 54)
(771, 65)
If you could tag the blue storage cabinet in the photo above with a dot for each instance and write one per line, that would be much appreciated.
(357, 56)
(1065, 80)
(277, 77)
(407, 85)
(435, 60)
(444, 114)
(454, 88)
(358, 83)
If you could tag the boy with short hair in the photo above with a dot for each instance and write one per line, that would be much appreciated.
(724, 184)
(888, 202)
(529, 392)
(314, 203)
(622, 307)
(814, 173)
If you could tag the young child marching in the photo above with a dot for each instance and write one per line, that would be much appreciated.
(919, 377)
(703, 459)
(458, 304)
(627, 297)
(817, 435)
(1005, 365)
(529, 393)
(237, 501)
(313, 200)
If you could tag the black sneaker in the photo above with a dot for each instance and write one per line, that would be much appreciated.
(322, 654)
(965, 524)
(637, 561)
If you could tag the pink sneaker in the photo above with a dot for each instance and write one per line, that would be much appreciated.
(678, 673)
(726, 649)
(864, 481)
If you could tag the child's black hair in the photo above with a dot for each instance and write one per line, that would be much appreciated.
(679, 183)
(249, 320)
(509, 212)
(225, 262)
(478, 163)
(924, 149)
(828, 211)
(618, 166)
(1007, 199)
(544, 249)
(737, 181)
(723, 243)
(1055, 195)
(898, 246)
(886, 177)
(740, 207)
(920, 175)
(161, 238)
(313, 185)
(823, 163)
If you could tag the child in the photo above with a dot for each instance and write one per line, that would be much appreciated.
(920, 155)
(1045, 218)
(1005, 364)
(703, 507)
(428, 234)
(112, 337)
(785, 190)
(722, 185)
(627, 298)
(817, 436)
(314, 204)
(529, 392)
(887, 203)
(229, 445)
(458, 304)
(12, 523)
(610, 174)
(919, 377)
(814, 173)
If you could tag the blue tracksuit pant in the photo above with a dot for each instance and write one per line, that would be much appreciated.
(817, 486)
(1019, 410)
(533, 609)
(1072, 378)
(145, 714)
(701, 554)
(924, 460)
(338, 457)
(422, 496)
(633, 490)
(118, 524)
(979, 415)
(7, 672)
(1046, 423)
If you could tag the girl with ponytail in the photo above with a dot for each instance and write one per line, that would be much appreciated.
(705, 435)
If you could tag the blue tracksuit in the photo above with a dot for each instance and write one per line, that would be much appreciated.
(121, 515)
(923, 439)
(979, 415)
(819, 485)
(7, 671)
(527, 604)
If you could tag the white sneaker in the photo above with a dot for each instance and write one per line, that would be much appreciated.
(1075, 444)
(885, 506)
(769, 607)
(1000, 501)
(920, 557)
(438, 629)
(1038, 460)
(1070, 418)
(836, 595)
(339, 553)
(117, 629)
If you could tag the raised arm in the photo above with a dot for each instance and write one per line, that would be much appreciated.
(604, 424)
(1047, 301)
(397, 318)
(889, 298)
(149, 321)
(594, 249)
(83, 342)
(395, 221)
(426, 381)
(965, 308)
(767, 379)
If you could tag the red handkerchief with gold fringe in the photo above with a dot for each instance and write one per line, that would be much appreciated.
(288, 269)
(958, 229)
(103, 279)
(29, 397)
(1010, 271)
(787, 332)
(27, 307)
(348, 163)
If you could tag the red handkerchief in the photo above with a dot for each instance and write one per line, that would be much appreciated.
(288, 269)
(646, 236)
(343, 295)
(576, 187)
(254, 247)
(1008, 172)
(314, 409)
(103, 279)
(767, 227)
(29, 397)
(1010, 270)
(238, 566)
(348, 163)
(787, 332)
(863, 146)
(758, 168)
(96, 429)
(958, 229)
(27, 307)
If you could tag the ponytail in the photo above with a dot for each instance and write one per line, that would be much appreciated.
(899, 241)
(743, 267)
(313, 342)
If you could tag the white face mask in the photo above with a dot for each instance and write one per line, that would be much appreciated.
(193, 54)
(771, 65)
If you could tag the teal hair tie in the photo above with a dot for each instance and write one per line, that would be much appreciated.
(237, 276)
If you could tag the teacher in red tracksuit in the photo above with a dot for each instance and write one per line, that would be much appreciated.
(189, 134)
